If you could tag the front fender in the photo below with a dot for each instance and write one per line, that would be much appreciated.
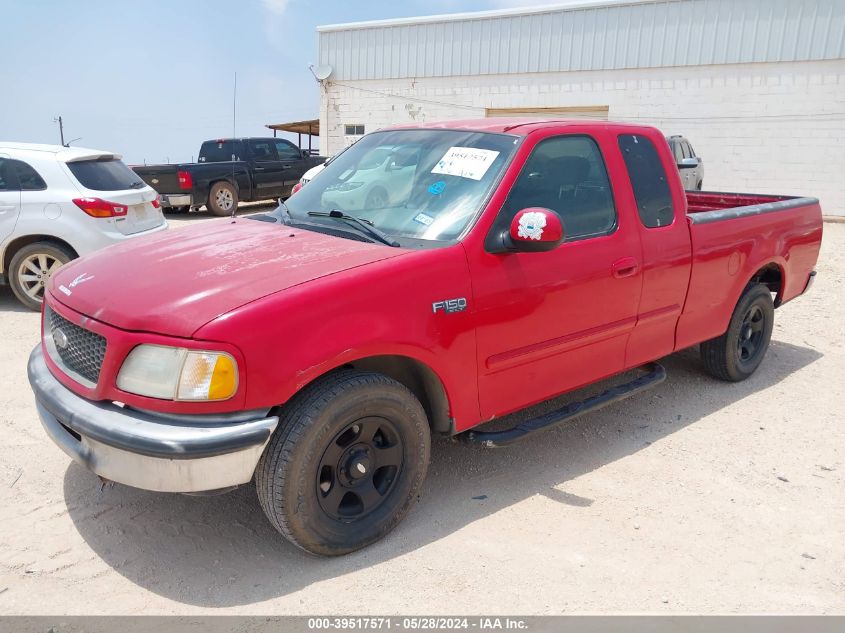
(381, 309)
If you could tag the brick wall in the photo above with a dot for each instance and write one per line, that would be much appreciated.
(762, 128)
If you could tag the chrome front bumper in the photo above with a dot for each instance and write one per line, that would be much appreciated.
(166, 453)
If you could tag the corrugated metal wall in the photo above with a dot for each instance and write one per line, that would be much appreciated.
(640, 35)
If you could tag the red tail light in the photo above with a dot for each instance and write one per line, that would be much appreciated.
(296, 188)
(185, 180)
(98, 208)
(156, 203)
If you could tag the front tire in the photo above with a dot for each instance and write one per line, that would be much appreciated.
(737, 354)
(31, 268)
(223, 198)
(345, 463)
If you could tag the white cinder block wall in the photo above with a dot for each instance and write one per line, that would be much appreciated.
(760, 127)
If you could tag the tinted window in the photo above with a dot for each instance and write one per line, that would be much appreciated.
(287, 151)
(565, 174)
(262, 150)
(217, 152)
(6, 179)
(690, 150)
(28, 178)
(648, 180)
(685, 149)
(105, 175)
(677, 151)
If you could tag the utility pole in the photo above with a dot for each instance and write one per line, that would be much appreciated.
(61, 130)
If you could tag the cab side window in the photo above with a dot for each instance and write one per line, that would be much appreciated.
(28, 178)
(287, 150)
(648, 180)
(678, 151)
(262, 150)
(567, 175)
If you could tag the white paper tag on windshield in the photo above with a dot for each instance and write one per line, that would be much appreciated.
(466, 162)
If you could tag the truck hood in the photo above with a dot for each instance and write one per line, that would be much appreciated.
(176, 282)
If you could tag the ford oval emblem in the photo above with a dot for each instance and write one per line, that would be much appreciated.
(60, 338)
(155, 181)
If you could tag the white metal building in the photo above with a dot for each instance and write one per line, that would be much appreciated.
(758, 86)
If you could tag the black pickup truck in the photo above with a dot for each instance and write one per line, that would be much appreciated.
(230, 170)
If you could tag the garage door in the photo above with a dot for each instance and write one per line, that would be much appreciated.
(573, 112)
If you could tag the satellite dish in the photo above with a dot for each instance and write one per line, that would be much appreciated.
(323, 72)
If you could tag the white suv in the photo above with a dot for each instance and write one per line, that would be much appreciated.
(57, 203)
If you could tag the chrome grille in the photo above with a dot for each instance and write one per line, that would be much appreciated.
(79, 350)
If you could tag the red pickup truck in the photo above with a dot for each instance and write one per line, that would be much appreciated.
(316, 348)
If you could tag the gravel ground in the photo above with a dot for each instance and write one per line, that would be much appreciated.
(698, 496)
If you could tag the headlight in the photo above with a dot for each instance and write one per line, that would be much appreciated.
(176, 373)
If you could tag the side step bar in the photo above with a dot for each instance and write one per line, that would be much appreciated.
(496, 439)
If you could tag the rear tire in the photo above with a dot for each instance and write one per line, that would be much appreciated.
(31, 268)
(737, 354)
(223, 198)
(345, 463)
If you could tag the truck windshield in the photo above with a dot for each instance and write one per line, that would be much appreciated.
(422, 184)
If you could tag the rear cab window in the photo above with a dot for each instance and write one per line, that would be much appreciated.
(648, 180)
(104, 175)
(218, 152)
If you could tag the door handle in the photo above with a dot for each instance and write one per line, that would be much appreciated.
(259, 168)
(625, 267)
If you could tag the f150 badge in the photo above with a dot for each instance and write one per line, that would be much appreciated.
(449, 306)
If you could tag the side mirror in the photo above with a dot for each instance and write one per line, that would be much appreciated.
(305, 153)
(533, 230)
(687, 163)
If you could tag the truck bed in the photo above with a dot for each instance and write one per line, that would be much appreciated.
(700, 204)
(735, 236)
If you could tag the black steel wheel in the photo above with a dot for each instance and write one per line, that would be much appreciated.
(345, 463)
(359, 468)
(737, 354)
(751, 333)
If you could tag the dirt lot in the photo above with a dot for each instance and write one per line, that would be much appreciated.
(696, 497)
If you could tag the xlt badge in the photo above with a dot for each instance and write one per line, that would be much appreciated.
(449, 305)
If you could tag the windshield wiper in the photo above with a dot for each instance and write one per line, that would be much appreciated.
(136, 185)
(364, 225)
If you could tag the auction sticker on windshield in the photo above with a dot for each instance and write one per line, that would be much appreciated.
(466, 162)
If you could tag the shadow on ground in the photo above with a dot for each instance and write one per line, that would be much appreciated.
(9, 302)
(221, 551)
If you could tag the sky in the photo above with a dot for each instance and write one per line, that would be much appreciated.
(152, 79)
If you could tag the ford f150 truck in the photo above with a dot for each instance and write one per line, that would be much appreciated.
(230, 170)
(316, 350)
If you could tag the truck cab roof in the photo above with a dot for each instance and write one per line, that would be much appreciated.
(518, 126)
